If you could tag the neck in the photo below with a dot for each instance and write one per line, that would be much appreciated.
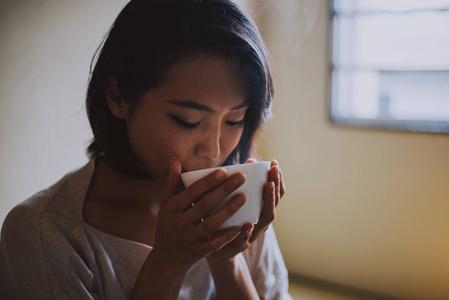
(108, 185)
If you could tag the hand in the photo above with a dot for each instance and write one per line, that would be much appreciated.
(187, 227)
(273, 192)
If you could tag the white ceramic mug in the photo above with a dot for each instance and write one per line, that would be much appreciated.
(256, 177)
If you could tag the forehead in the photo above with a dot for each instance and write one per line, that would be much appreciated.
(205, 79)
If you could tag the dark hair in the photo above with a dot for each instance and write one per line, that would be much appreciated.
(147, 38)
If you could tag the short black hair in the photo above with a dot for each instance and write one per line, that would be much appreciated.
(147, 38)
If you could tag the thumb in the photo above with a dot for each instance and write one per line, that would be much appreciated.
(174, 182)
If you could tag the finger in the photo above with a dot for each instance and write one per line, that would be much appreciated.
(282, 185)
(278, 186)
(235, 229)
(174, 183)
(274, 176)
(194, 192)
(214, 221)
(250, 160)
(220, 238)
(244, 236)
(282, 190)
(241, 242)
(210, 201)
(268, 211)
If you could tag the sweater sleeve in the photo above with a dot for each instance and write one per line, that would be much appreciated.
(25, 271)
(22, 266)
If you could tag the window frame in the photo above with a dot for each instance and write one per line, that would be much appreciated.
(390, 124)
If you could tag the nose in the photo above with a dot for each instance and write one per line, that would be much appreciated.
(209, 145)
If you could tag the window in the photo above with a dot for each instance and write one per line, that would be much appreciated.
(390, 64)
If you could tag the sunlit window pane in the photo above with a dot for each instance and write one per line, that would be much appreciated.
(418, 95)
(411, 41)
(368, 6)
(399, 5)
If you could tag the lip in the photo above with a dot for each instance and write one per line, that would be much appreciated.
(196, 169)
(190, 170)
(201, 168)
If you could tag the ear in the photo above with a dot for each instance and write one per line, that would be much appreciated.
(117, 103)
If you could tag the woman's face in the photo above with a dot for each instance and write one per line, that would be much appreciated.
(197, 116)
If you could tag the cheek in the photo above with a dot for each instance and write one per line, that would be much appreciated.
(231, 140)
(148, 141)
(174, 143)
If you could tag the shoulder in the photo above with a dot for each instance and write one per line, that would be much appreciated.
(21, 252)
(25, 219)
(32, 233)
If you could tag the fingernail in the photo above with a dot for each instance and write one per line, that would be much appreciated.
(220, 174)
(276, 162)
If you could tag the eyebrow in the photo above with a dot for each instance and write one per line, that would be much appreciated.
(197, 106)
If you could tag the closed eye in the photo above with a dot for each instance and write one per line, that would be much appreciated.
(236, 123)
(183, 123)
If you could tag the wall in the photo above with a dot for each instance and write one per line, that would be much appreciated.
(45, 55)
(364, 208)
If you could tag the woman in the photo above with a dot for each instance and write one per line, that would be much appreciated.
(176, 86)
